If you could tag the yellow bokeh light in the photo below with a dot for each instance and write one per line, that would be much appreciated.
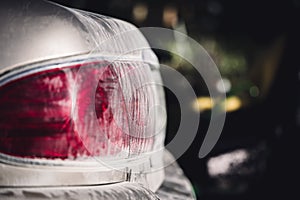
(233, 103)
(206, 103)
(203, 103)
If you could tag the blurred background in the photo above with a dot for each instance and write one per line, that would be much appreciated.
(255, 45)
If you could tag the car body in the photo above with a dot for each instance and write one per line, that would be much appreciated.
(74, 108)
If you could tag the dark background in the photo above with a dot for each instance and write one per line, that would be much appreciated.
(255, 44)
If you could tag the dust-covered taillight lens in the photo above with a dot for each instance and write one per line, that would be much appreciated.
(79, 110)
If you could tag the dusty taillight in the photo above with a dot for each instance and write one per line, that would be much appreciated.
(81, 101)
(78, 110)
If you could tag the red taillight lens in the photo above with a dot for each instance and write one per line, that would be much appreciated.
(77, 111)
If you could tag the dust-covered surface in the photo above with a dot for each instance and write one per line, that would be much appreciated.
(175, 186)
(114, 191)
(109, 110)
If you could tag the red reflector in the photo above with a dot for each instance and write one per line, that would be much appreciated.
(74, 111)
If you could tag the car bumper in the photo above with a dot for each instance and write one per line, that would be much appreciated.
(174, 186)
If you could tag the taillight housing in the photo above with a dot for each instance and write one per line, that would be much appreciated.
(79, 110)
(91, 114)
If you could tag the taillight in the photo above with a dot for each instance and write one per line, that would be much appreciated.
(93, 108)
